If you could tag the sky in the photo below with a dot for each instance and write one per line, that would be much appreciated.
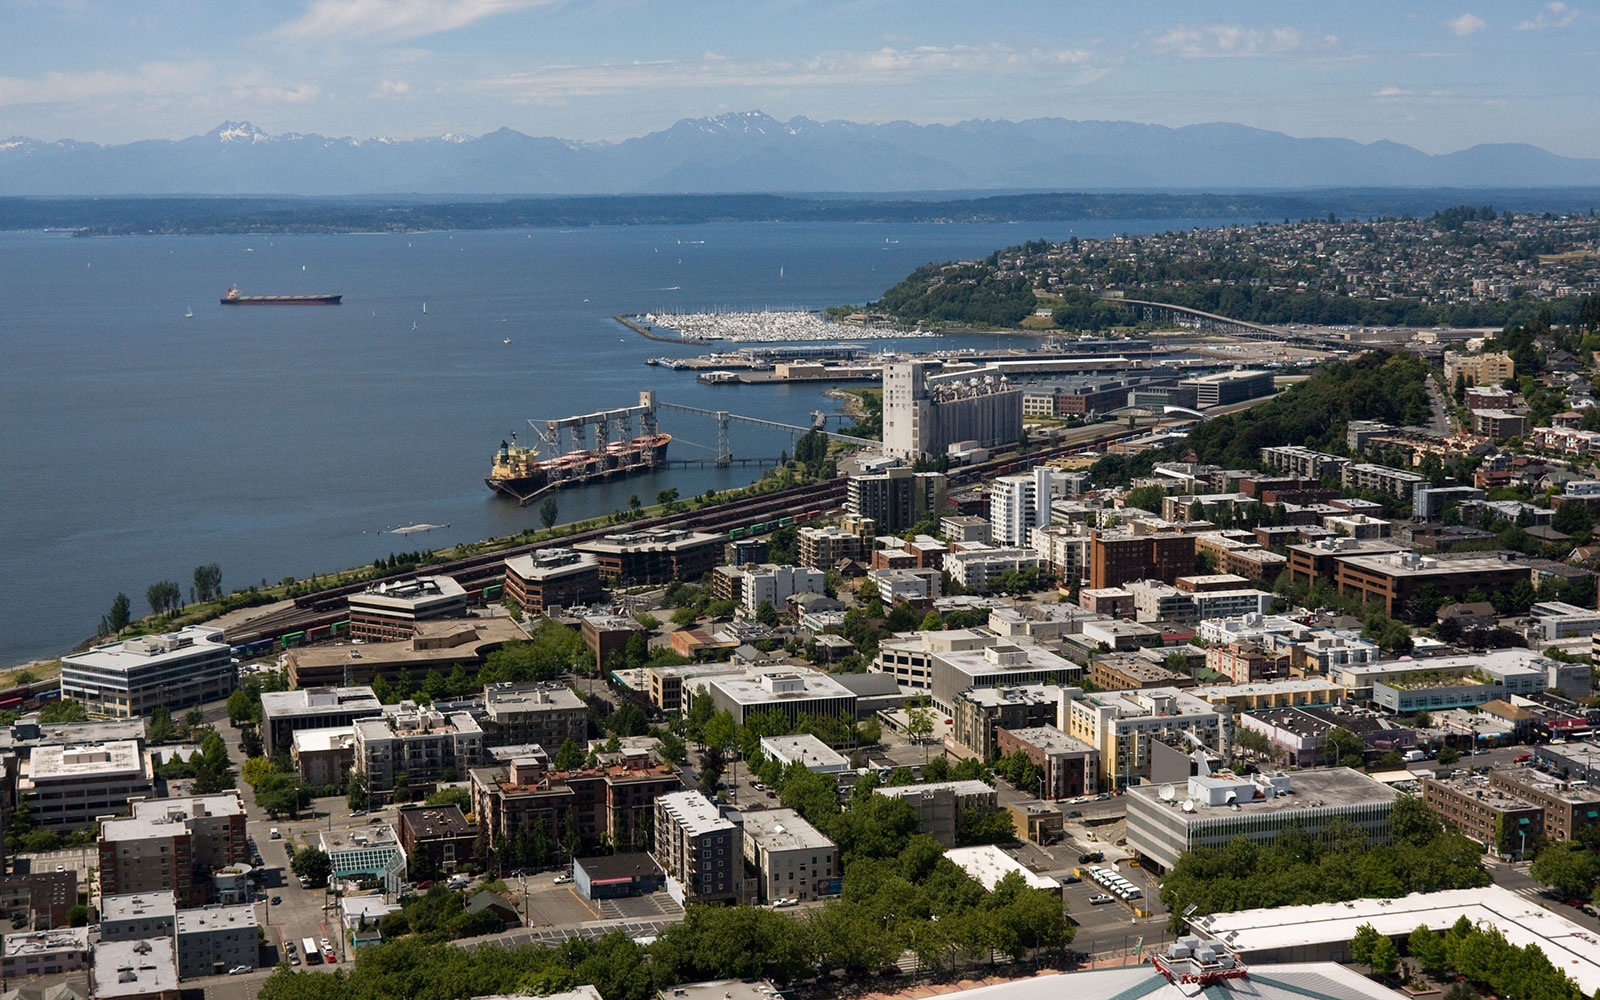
(1438, 76)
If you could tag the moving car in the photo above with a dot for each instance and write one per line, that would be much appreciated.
(240, 970)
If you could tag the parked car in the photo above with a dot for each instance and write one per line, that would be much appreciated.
(785, 901)
(275, 900)
(239, 970)
(563, 878)
(1523, 758)
(1075, 814)
(1091, 857)
(1099, 898)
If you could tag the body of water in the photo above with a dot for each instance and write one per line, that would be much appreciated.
(140, 442)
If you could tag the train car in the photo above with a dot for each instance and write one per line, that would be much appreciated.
(808, 515)
(737, 533)
(292, 639)
(12, 704)
(786, 521)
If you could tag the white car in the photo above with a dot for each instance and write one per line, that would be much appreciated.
(563, 879)
(785, 901)
(240, 970)
(1099, 898)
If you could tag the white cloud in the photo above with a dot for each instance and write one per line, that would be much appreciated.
(1234, 41)
(392, 88)
(1554, 15)
(885, 66)
(1466, 24)
(1391, 92)
(344, 19)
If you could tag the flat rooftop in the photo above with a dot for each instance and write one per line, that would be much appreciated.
(1051, 740)
(197, 806)
(138, 906)
(80, 761)
(805, 749)
(319, 701)
(145, 967)
(1017, 694)
(322, 740)
(988, 864)
(694, 812)
(1333, 787)
(64, 939)
(1477, 788)
(134, 654)
(747, 690)
(962, 789)
(783, 830)
(510, 698)
(210, 919)
(1571, 948)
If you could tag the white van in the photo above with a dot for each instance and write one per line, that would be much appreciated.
(274, 834)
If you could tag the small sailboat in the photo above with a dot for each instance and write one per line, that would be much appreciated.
(413, 325)
(188, 312)
(424, 309)
(506, 341)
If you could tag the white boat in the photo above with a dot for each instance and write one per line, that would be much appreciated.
(188, 312)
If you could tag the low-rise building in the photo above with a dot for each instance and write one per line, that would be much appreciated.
(1165, 821)
(552, 578)
(135, 915)
(1068, 767)
(614, 802)
(544, 713)
(940, 804)
(1380, 479)
(415, 748)
(214, 939)
(283, 712)
(38, 900)
(791, 859)
(1501, 822)
(908, 658)
(807, 751)
(70, 786)
(146, 969)
(1393, 579)
(439, 833)
(129, 679)
(1007, 664)
(389, 612)
(980, 713)
(28, 954)
(1569, 804)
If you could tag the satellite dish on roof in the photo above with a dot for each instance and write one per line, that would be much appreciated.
(1188, 805)
(1167, 792)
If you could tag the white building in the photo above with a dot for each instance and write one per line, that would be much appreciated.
(1018, 504)
(1064, 549)
(138, 969)
(979, 569)
(805, 750)
(988, 864)
(129, 679)
(895, 585)
(420, 746)
(790, 693)
(772, 584)
(73, 785)
(908, 658)
(214, 939)
(1165, 821)
(792, 859)
(1122, 725)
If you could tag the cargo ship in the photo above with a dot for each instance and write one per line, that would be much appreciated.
(519, 473)
(233, 298)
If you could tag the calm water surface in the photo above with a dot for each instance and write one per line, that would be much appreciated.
(138, 443)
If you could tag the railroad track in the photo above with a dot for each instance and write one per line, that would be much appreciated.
(324, 608)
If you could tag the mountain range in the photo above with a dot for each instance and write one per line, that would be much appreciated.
(753, 152)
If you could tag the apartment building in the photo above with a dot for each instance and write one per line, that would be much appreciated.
(896, 499)
(415, 748)
(613, 802)
(283, 712)
(1121, 725)
(939, 804)
(791, 858)
(545, 713)
(1117, 558)
(698, 849)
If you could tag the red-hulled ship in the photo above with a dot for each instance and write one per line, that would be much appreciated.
(233, 298)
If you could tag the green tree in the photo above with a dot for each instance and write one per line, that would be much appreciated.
(120, 615)
(548, 512)
(207, 582)
(569, 757)
(768, 615)
(313, 865)
(1567, 868)
(1363, 944)
(63, 710)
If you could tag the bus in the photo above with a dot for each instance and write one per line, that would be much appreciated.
(312, 953)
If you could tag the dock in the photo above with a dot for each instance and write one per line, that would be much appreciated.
(645, 331)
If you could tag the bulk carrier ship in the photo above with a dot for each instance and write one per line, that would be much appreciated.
(519, 473)
(233, 298)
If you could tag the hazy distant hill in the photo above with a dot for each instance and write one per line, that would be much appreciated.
(750, 152)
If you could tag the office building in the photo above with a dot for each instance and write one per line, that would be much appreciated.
(553, 578)
(1226, 388)
(1007, 664)
(791, 858)
(896, 499)
(792, 694)
(908, 658)
(130, 679)
(69, 787)
(389, 612)
(284, 712)
(1502, 822)
(1166, 820)
(1392, 578)
(697, 848)
(654, 555)
(324, 758)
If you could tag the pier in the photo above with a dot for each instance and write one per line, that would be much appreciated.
(645, 331)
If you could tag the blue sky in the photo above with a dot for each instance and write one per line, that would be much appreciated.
(1436, 76)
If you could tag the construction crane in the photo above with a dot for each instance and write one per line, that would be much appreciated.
(724, 418)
